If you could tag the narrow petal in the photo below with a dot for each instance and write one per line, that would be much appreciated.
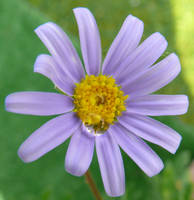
(48, 136)
(43, 66)
(47, 66)
(126, 41)
(138, 150)
(38, 103)
(152, 131)
(111, 165)
(142, 57)
(80, 152)
(154, 78)
(62, 50)
(156, 105)
(89, 40)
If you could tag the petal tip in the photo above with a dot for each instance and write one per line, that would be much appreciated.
(162, 38)
(43, 26)
(40, 59)
(22, 156)
(80, 9)
(186, 103)
(116, 194)
(174, 58)
(36, 30)
(6, 102)
(136, 21)
(178, 142)
(157, 170)
(73, 171)
(132, 17)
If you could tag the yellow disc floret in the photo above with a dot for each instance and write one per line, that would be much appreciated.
(98, 101)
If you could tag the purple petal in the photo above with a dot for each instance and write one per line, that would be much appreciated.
(141, 58)
(38, 103)
(46, 66)
(62, 50)
(111, 165)
(43, 66)
(80, 152)
(138, 150)
(154, 78)
(89, 40)
(152, 131)
(126, 41)
(156, 105)
(48, 136)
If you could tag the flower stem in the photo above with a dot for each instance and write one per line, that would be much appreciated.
(92, 186)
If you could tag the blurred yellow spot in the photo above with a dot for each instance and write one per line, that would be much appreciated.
(98, 101)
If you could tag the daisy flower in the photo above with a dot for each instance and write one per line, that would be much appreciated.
(102, 106)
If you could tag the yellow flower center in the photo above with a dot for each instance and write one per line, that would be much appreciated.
(98, 101)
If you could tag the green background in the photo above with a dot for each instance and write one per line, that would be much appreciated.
(46, 178)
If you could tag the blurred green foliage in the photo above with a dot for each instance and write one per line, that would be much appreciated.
(46, 178)
(183, 11)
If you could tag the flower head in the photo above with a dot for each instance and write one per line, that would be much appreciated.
(108, 106)
(98, 101)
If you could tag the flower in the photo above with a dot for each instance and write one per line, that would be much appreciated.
(106, 108)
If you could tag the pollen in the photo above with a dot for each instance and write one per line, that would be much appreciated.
(99, 101)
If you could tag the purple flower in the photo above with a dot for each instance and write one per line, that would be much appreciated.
(106, 108)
